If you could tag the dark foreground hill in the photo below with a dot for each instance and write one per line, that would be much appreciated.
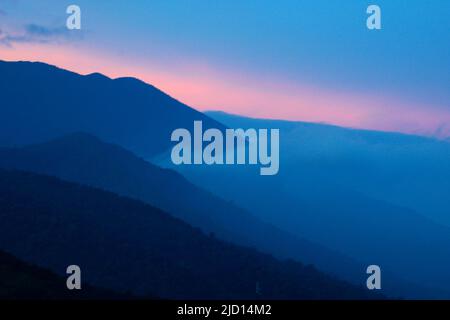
(127, 245)
(20, 280)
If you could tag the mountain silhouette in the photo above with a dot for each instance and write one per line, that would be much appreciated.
(356, 195)
(85, 159)
(322, 193)
(20, 280)
(42, 102)
(126, 245)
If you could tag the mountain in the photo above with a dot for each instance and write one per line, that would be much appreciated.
(20, 280)
(405, 170)
(336, 187)
(42, 102)
(126, 245)
(85, 159)
(316, 194)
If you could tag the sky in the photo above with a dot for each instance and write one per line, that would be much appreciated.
(289, 59)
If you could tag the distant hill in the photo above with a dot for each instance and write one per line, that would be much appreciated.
(85, 159)
(124, 244)
(20, 280)
(42, 102)
(405, 170)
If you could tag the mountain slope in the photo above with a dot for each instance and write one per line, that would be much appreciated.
(41, 102)
(313, 196)
(84, 159)
(20, 280)
(124, 244)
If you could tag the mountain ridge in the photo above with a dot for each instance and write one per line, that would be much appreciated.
(356, 182)
(140, 116)
(85, 159)
(158, 253)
